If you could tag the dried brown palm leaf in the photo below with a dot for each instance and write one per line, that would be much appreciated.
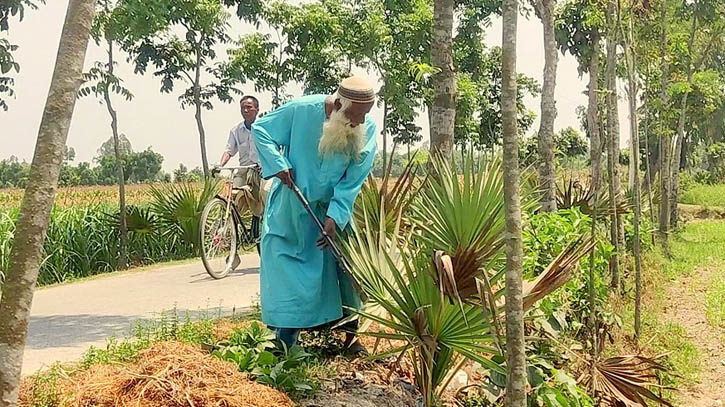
(627, 380)
(558, 272)
(382, 203)
(579, 193)
(457, 277)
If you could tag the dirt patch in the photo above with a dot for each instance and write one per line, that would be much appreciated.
(686, 306)
(169, 374)
(361, 384)
(696, 212)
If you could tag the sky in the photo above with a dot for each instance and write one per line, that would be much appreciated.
(156, 120)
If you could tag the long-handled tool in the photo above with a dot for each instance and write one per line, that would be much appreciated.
(331, 244)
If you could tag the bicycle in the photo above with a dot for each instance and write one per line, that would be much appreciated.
(224, 229)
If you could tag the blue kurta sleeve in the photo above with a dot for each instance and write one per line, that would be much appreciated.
(347, 190)
(270, 133)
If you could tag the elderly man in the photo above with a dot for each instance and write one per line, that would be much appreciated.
(326, 145)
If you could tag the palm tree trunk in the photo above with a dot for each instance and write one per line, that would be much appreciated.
(515, 345)
(613, 138)
(32, 224)
(197, 116)
(444, 82)
(665, 142)
(547, 173)
(596, 159)
(122, 229)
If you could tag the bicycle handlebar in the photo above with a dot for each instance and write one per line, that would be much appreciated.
(243, 167)
(217, 170)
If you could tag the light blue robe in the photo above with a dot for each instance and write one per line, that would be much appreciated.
(301, 286)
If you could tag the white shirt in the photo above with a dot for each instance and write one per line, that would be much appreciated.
(240, 141)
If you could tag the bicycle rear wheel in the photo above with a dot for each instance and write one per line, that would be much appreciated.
(218, 239)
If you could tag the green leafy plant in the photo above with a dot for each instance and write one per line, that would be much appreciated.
(253, 350)
(432, 282)
(284, 372)
(548, 387)
(179, 207)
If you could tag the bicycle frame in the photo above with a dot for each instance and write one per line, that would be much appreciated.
(227, 198)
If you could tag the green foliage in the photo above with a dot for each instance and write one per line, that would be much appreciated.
(715, 299)
(82, 241)
(479, 124)
(577, 23)
(566, 310)
(426, 282)
(44, 390)
(705, 195)
(646, 230)
(182, 174)
(568, 144)
(547, 234)
(107, 148)
(8, 9)
(179, 39)
(13, 173)
(322, 343)
(252, 349)
(179, 207)
(168, 327)
(548, 387)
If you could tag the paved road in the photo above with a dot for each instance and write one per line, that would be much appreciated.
(67, 319)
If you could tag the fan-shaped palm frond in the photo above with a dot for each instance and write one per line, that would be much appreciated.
(464, 218)
(179, 207)
(380, 202)
(578, 193)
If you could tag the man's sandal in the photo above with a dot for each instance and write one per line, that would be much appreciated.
(357, 350)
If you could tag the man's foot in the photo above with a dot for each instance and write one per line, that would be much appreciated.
(237, 261)
(356, 349)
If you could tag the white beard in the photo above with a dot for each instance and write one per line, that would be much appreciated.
(338, 136)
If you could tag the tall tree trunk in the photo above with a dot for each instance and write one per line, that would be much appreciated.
(197, 116)
(613, 138)
(648, 169)
(515, 346)
(547, 171)
(664, 221)
(444, 82)
(632, 171)
(32, 224)
(385, 135)
(122, 229)
(634, 160)
(596, 159)
(677, 155)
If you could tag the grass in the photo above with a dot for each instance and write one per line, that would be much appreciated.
(698, 244)
(705, 195)
(715, 299)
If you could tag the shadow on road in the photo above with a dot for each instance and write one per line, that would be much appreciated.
(205, 277)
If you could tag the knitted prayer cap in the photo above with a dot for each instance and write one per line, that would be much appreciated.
(357, 89)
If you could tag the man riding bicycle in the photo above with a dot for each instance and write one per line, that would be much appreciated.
(247, 181)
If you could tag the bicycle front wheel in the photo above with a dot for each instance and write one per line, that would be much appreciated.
(218, 239)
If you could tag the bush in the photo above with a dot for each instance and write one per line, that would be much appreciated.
(83, 240)
(254, 351)
(566, 309)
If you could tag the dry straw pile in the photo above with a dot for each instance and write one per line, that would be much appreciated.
(169, 374)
